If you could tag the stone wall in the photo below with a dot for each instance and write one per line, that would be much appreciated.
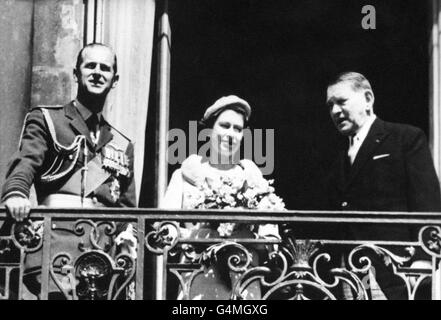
(39, 41)
(15, 73)
(58, 32)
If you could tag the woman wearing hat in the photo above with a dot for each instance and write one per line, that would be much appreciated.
(226, 118)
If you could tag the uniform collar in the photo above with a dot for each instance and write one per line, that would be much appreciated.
(84, 112)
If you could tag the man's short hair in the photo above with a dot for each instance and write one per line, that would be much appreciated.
(357, 80)
(91, 45)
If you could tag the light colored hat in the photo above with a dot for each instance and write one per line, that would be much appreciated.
(224, 102)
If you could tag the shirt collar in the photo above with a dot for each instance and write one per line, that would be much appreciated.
(84, 112)
(363, 132)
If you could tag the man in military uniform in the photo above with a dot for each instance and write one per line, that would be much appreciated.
(70, 153)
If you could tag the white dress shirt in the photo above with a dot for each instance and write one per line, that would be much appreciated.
(357, 140)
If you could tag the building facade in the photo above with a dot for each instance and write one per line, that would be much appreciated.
(277, 56)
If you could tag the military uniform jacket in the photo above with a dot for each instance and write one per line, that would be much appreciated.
(52, 154)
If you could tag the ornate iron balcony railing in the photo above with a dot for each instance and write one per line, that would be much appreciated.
(71, 254)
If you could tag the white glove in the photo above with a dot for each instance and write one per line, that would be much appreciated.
(127, 241)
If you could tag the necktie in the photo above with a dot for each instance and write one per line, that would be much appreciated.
(93, 124)
(351, 150)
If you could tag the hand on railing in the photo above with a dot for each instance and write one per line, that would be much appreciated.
(18, 207)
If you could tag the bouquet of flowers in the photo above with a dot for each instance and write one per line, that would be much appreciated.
(235, 192)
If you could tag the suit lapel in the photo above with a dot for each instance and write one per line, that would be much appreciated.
(343, 166)
(375, 137)
(105, 135)
(78, 124)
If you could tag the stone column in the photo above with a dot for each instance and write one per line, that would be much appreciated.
(435, 88)
(15, 74)
(58, 36)
(163, 101)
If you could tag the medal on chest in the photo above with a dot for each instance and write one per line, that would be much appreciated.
(114, 189)
(115, 161)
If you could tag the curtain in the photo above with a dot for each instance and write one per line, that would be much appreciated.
(128, 27)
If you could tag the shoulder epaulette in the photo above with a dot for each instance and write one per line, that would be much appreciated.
(41, 107)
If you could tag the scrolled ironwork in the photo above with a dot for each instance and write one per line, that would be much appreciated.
(109, 230)
(231, 254)
(412, 277)
(62, 265)
(294, 270)
(189, 253)
(389, 258)
(164, 237)
(94, 270)
(224, 259)
(295, 290)
(300, 251)
(5, 245)
(292, 283)
(28, 235)
(94, 275)
(289, 274)
(339, 276)
(125, 267)
(430, 239)
(186, 277)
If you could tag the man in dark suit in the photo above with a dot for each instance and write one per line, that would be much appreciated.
(386, 167)
(72, 155)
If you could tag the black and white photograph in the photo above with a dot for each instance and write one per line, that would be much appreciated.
(221, 150)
